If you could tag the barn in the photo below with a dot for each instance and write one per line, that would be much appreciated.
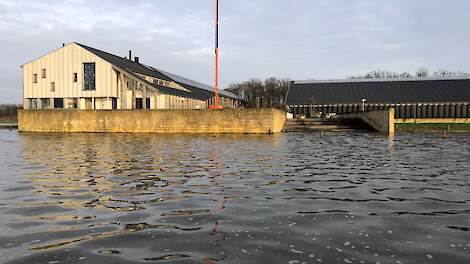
(77, 76)
(410, 97)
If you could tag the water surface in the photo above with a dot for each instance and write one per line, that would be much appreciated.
(291, 198)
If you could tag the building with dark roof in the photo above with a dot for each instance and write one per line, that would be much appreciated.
(79, 76)
(411, 97)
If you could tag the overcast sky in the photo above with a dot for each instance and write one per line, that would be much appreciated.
(297, 39)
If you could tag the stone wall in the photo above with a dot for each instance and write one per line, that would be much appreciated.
(236, 121)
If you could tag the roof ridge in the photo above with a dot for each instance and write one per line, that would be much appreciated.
(114, 55)
(415, 79)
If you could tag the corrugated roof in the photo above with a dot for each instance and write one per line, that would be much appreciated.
(379, 91)
(198, 90)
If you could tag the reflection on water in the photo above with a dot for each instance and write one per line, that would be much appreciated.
(292, 198)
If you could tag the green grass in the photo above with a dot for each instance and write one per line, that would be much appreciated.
(432, 127)
(8, 120)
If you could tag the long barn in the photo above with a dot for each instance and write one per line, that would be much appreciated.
(411, 98)
(77, 76)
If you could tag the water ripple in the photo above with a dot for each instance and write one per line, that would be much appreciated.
(292, 198)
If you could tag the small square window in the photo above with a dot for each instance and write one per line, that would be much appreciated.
(52, 86)
(43, 73)
(75, 77)
(35, 78)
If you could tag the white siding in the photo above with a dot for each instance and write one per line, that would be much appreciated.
(60, 66)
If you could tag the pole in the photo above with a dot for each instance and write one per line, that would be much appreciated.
(217, 106)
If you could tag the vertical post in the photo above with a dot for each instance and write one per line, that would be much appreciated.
(217, 106)
(123, 91)
(133, 94)
(144, 99)
(391, 121)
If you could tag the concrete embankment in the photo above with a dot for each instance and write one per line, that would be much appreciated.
(382, 121)
(227, 121)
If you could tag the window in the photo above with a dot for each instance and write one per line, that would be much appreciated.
(139, 103)
(52, 86)
(114, 103)
(43, 73)
(89, 77)
(147, 102)
(35, 78)
(45, 103)
(75, 77)
(33, 104)
(58, 103)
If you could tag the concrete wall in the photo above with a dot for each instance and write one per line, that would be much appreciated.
(250, 121)
(381, 120)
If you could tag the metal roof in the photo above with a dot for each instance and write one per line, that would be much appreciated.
(197, 90)
(189, 84)
(125, 63)
(388, 91)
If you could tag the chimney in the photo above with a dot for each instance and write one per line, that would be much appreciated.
(136, 59)
(130, 55)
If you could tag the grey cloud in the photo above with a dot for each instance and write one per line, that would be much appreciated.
(299, 39)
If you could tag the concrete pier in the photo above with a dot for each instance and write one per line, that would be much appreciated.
(227, 121)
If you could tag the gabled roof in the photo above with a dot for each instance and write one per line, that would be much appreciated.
(424, 90)
(197, 90)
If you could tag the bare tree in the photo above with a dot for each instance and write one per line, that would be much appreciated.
(9, 110)
(422, 73)
(270, 93)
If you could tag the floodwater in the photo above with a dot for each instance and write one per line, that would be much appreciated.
(291, 198)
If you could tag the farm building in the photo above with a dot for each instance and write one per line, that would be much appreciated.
(411, 97)
(80, 77)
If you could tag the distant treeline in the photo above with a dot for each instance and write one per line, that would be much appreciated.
(257, 93)
(9, 110)
(272, 92)
(420, 73)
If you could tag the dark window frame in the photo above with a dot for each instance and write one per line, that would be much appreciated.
(58, 103)
(89, 76)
